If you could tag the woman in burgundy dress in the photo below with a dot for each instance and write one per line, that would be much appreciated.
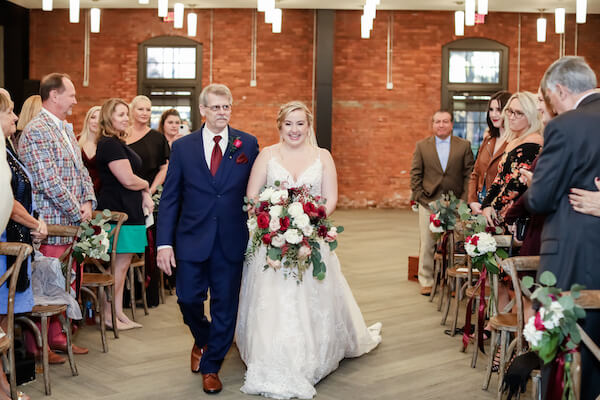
(87, 142)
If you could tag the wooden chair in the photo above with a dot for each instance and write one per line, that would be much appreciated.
(589, 299)
(104, 278)
(20, 251)
(507, 322)
(43, 313)
(138, 268)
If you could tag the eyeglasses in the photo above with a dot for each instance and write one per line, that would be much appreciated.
(225, 107)
(516, 114)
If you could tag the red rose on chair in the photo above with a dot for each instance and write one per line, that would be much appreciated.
(262, 220)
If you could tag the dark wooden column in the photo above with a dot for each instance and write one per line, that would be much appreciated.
(324, 76)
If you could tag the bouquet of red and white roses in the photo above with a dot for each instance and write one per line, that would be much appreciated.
(482, 249)
(553, 333)
(292, 224)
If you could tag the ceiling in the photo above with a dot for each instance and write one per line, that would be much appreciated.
(494, 5)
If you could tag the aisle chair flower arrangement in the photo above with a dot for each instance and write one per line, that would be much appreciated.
(293, 225)
(553, 332)
(92, 240)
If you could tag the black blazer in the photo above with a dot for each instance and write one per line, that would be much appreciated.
(570, 159)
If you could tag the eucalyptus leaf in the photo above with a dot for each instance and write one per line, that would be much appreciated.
(576, 287)
(579, 312)
(274, 253)
(527, 282)
(567, 302)
(547, 278)
(340, 229)
(501, 253)
(548, 351)
(106, 213)
(333, 245)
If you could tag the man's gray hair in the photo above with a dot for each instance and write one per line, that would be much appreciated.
(216, 89)
(571, 72)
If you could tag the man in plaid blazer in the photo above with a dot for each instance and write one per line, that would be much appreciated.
(62, 188)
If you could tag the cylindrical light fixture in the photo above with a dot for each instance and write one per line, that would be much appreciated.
(163, 8)
(469, 12)
(192, 23)
(482, 7)
(269, 15)
(541, 29)
(365, 29)
(559, 20)
(94, 20)
(74, 11)
(178, 16)
(581, 11)
(459, 23)
(144, 1)
(47, 5)
(277, 15)
(369, 10)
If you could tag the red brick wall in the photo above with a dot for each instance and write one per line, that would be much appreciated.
(374, 129)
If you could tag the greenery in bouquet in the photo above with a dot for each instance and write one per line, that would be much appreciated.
(444, 213)
(92, 240)
(156, 197)
(552, 332)
(472, 224)
(292, 224)
(484, 252)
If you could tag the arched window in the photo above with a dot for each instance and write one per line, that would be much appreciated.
(170, 74)
(473, 69)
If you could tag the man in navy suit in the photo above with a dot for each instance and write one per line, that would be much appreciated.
(201, 228)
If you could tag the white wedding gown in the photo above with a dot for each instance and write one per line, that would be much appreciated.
(292, 335)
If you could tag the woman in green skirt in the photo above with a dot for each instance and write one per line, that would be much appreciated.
(122, 190)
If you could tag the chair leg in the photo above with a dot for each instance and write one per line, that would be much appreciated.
(476, 333)
(491, 355)
(113, 311)
(141, 274)
(45, 363)
(503, 348)
(443, 287)
(67, 328)
(457, 299)
(131, 292)
(161, 286)
(448, 296)
(434, 288)
(13, 372)
(100, 310)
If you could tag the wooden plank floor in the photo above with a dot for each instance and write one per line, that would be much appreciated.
(415, 360)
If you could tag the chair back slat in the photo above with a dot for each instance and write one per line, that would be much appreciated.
(20, 251)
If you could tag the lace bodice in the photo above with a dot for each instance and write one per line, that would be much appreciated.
(311, 176)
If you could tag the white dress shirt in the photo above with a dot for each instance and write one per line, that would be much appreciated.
(209, 142)
(443, 150)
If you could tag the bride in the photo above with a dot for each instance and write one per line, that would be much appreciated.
(291, 335)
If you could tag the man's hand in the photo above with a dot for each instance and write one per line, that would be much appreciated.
(165, 260)
(526, 176)
(86, 211)
(585, 201)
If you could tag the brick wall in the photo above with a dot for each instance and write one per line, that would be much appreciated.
(374, 129)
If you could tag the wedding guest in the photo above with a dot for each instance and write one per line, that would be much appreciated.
(154, 150)
(441, 163)
(570, 160)
(490, 152)
(87, 142)
(169, 125)
(122, 190)
(525, 141)
(62, 187)
(31, 107)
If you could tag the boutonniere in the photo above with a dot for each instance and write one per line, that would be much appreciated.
(234, 144)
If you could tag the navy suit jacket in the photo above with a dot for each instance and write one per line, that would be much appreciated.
(196, 208)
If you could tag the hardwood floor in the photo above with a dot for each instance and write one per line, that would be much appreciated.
(416, 360)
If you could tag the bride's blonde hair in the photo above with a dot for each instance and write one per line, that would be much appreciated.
(292, 106)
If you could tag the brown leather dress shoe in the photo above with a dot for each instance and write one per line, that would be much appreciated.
(62, 348)
(54, 358)
(195, 358)
(211, 383)
(426, 290)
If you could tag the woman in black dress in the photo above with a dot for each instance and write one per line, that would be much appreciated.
(122, 190)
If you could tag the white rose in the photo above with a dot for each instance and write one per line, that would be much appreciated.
(301, 221)
(331, 234)
(275, 212)
(551, 318)
(274, 225)
(532, 335)
(471, 250)
(293, 236)
(435, 229)
(279, 196)
(486, 243)
(278, 240)
(252, 225)
(307, 230)
(295, 209)
(266, 194)
(304, 252)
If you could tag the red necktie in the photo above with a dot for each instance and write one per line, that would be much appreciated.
(216, 157)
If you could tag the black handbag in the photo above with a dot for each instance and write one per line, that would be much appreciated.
(521, 228)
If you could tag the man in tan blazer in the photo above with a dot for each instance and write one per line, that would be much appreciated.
(441, 163)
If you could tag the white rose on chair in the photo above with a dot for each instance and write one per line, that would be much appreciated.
(479, 244)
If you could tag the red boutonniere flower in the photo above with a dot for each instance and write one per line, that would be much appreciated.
(234, 145)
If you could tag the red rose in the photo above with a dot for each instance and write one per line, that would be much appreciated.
(237, 143)
(263, 206)
(431, 217)
(266, 238)
(538, 323)
(322, 231)
(474, 240)
(490, 229)
(262, 220)
(285, 223)
(437, 223)
(322, 212)
(310, 209)
(97, 229)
